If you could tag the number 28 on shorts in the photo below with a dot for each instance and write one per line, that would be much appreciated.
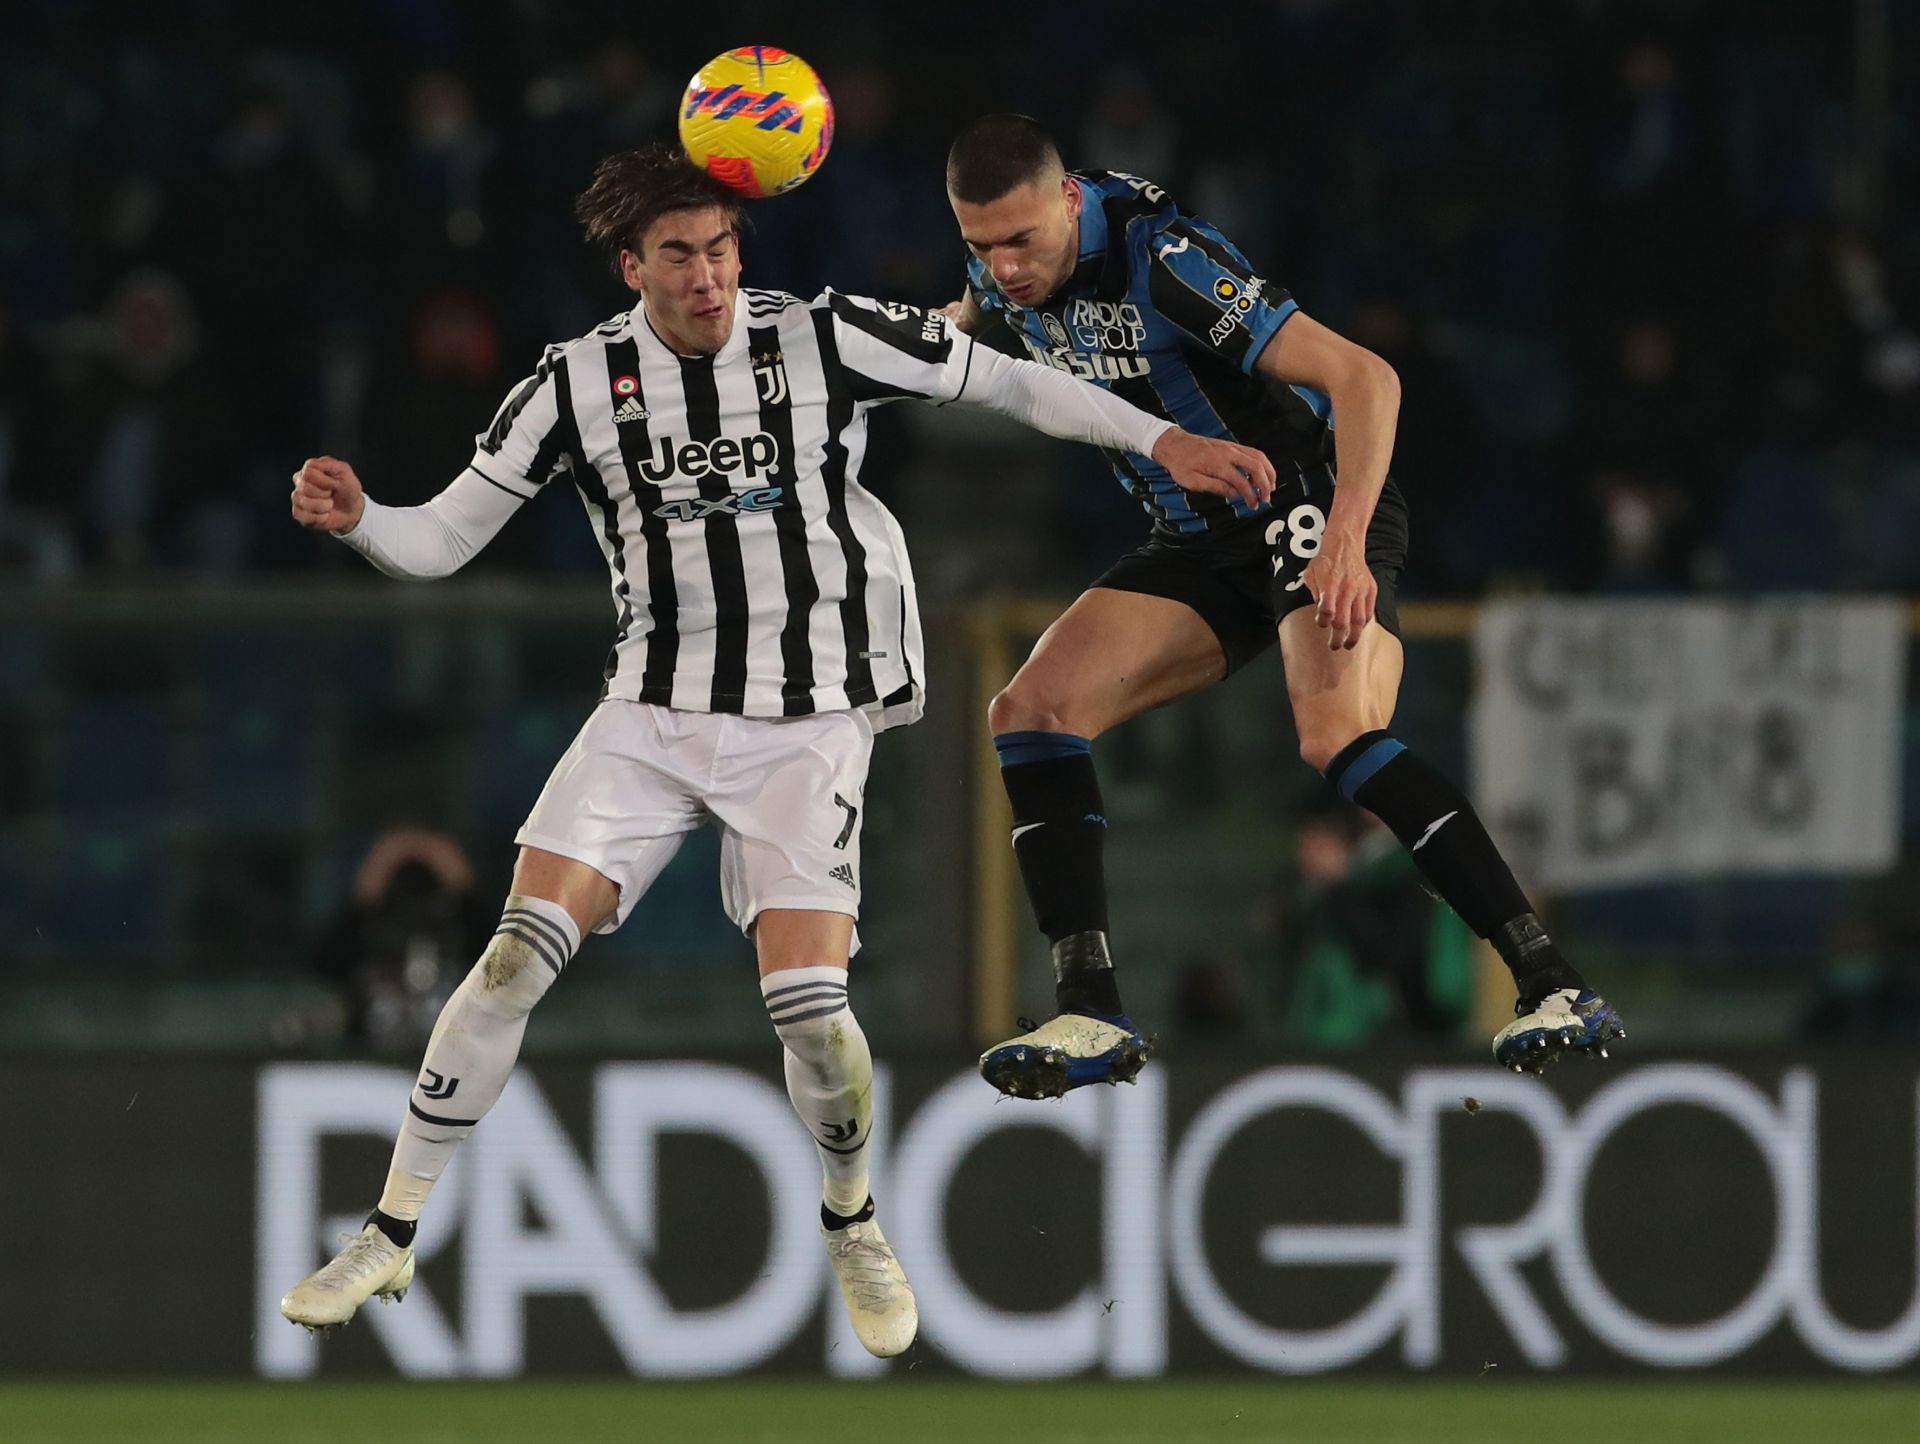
(1294, 540)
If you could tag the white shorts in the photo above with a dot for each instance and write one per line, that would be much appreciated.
(786, 793)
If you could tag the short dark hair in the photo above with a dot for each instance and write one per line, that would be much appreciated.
(634, 188)
(996, 154)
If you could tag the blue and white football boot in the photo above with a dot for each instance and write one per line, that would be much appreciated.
(1067, 1051)
(1564, 1021)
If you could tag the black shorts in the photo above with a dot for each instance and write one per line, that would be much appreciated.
(1244, 579)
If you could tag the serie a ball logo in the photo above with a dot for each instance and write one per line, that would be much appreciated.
(757, 119)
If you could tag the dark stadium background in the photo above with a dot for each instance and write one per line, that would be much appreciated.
(1647, 272)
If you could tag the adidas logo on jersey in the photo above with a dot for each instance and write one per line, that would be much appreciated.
(629, 410)
(844, 873)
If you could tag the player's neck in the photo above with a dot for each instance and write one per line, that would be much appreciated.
(1073, 260)
(671, 339)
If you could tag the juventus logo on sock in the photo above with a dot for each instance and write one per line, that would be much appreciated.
(437, 1085)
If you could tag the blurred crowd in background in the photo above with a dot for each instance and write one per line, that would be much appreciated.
(1647, 269)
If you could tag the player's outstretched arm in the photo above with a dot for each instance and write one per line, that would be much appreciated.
(410, 542)
(1076, 410)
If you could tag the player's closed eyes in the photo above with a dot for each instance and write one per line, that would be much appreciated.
(680, 258)
(1012, 243)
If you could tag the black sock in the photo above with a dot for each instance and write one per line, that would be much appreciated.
(1435, 822)
(1083, 979)
(397, 1230)
(834, 1222)
(1059, 837)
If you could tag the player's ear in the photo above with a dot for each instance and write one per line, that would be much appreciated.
(1071, 194)
(630, 270)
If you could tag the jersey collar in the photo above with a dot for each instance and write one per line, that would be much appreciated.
(1093, 223)
(730, 349)
(1096, 270)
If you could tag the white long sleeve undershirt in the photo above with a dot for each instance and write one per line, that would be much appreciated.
(1058, 404)
(435, 540)
(417, 543)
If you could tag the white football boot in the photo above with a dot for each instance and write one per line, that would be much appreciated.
(1071, 1050)
(880, 1302)
(1564, 1021)
(370, 1265)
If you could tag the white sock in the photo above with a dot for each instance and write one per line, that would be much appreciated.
(829, 1074)
(474, 1045)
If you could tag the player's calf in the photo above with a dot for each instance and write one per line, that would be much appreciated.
(1436, 823)
(830, 1081)
(829, 1071)
(475, 1044)
(1059, 839)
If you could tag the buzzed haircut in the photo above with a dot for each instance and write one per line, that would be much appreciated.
(634, 188)
(999, 153)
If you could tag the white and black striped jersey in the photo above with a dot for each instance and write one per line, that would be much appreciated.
(752, 572)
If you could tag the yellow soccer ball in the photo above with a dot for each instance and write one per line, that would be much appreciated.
(757, 120)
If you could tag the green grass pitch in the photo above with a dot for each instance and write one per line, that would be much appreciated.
(760, 1412)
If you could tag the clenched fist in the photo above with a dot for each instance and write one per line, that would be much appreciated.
(327, 495)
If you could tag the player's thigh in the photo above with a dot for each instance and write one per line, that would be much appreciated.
(1337, 695)
(618, 803)
(1110, 656)
(588, 894)
(801, 938)
(789, 794)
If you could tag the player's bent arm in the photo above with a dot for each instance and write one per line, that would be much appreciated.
(418, 543)
(1365, 392)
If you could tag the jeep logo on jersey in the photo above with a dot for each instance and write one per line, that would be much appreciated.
(1107, 325)
(750, 454)
(699, 508)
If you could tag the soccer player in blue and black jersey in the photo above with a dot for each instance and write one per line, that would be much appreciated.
(1106, 276)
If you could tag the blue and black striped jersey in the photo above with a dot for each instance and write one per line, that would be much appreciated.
(1163, 309)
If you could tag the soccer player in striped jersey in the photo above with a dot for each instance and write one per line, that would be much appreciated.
(1106, 277)
(766, 629)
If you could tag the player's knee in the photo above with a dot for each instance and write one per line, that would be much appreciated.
(510, 977)
(810, 1011)
(1025, 709)
(1008, 712)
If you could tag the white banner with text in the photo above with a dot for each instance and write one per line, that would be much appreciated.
(1625, 742)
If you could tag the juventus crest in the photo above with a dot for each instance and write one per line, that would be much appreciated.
(770, 372)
